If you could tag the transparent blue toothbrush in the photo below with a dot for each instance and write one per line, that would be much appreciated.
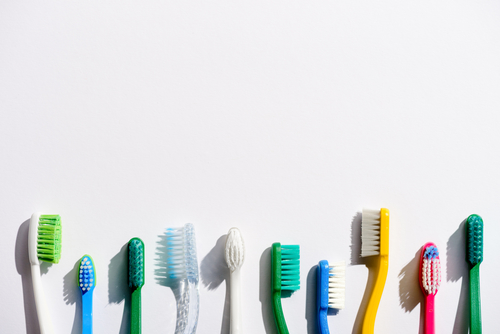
(86, 282)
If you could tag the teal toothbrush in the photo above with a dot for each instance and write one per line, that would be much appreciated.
(285, 276)
(86, 282)
(135, 281)
(475, 257)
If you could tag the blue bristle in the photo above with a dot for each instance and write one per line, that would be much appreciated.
(182, 262)
(86, 277)
(431, 252)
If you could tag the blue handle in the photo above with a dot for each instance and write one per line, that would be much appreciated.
(322, 298)
(87, 312)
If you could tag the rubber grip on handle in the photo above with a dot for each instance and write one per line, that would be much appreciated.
(475, 301)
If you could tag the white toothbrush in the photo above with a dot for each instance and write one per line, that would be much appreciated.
(235, 255)
(44, 245)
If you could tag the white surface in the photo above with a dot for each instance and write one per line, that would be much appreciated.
(282, 118)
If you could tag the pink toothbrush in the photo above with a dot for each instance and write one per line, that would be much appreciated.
(430, 279)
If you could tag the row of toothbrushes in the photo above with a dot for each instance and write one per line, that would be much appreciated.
(182, 274)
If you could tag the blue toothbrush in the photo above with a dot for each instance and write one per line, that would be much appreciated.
(331, 291)
(86, 282)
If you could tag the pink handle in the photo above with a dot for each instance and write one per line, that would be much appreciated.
(429, 314)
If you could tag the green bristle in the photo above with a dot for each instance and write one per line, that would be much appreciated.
(49, 238)
(135, 263)
(474, 239)
(290, 267)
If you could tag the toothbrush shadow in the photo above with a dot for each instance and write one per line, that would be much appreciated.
(72, 295)
(410, 294)
(119, 290)
(24, 269)
(457, 268)
(265, 291)
(311, 317)
(214, 271)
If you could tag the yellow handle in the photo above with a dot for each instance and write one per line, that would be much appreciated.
(380, 270)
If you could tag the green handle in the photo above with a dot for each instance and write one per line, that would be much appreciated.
(475, 301)
(279, 317)
(135, 312)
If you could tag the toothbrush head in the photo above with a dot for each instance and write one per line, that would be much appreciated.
(182, 261)
(331, 285)
(235, 249)
(474, 240)
(285, 268)
(135, 263)
(375, 232)
(45, 238)
(86, 275)
(430, 269)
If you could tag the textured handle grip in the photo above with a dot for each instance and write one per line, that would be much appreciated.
(279, 317)
(323, 321)
(429, 314)
(371, 310)
(135, 312)
(475, 301)
(235, 302)
(87, 312)
(41, 308)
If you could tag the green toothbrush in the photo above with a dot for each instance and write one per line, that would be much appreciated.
(135, 281)
(475, 257)
(285, 276)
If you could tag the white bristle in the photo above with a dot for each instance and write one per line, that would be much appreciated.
(431, 275)
(336, 285)
(370, 232)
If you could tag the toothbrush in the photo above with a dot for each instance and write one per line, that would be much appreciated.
(87, 282)
(135, 281)
(285, 276)
(375, 244)
(235, 255)
(430, 279)
(475, 257)
(182, 271)
(331, 291)
(44, 244)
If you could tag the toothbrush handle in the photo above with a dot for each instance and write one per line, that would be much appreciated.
(475, 301)
(87, 312)
(135, 312)
(235, 303)
(374, 301)
(279, 317)
(429, 314)
(323, 321)
(41, 307)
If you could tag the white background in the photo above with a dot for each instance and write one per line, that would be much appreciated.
(284, 118)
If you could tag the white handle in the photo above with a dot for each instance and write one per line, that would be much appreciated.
(235, 302)
(41, 308)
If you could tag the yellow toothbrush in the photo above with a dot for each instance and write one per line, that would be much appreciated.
(375, 244)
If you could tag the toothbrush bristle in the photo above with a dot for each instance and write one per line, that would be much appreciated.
(49, 238)
(474, 239)
(135, 263)
(370, 232)
(86, 277)
(235, 249)
(182, 262)
(336, 285)
(290, 267)
(431, 270)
